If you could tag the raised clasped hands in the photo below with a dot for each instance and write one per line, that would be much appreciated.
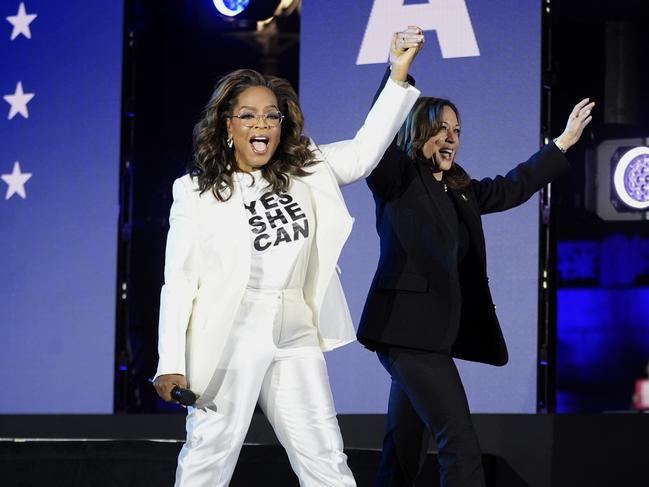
(405, 46)
(577, 121)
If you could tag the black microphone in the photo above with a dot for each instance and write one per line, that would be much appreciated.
(183, 396)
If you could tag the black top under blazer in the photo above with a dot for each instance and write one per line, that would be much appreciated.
(420, 296)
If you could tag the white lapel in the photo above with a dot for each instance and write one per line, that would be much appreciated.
(334, 225)
(225, 241)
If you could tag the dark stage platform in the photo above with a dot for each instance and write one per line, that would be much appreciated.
(136, 463)
(140, 450)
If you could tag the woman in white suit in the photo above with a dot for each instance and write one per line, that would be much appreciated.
(251, 297)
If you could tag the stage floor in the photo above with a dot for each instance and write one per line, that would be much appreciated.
(123, 450)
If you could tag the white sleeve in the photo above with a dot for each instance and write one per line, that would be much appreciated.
(351, 160)
(181, 280)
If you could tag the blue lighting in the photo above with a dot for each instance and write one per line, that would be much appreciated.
(230, 8)
(602, 321)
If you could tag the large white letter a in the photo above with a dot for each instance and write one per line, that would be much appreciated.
(449, 18)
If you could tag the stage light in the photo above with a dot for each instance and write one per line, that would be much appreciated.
(231, 8)
(631, 178)
(617, 179)
(250, 10)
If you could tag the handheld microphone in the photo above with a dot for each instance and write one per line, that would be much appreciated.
(183, 396)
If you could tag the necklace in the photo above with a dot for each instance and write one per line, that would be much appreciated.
(445, 187)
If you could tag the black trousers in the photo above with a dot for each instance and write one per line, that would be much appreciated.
(427, 396)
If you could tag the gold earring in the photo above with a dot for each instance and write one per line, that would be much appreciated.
(230, 142)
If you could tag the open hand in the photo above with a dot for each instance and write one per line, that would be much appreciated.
(577, 121)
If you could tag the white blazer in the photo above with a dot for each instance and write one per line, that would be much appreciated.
(207, 263)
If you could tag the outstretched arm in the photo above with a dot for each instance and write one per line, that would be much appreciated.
(354, 159)
(502, 193)
(387, 174)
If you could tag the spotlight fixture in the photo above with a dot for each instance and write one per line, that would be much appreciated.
(231, 8)
(253, 10)
(631, 179)
(617, 179)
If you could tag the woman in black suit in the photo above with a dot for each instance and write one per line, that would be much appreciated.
(429, 300)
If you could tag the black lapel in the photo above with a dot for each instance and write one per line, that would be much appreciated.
(469, 212)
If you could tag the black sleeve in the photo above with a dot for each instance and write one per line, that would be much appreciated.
(386, 75)
(387, 174)
(519, 184)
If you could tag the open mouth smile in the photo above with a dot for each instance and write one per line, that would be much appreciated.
(446, 153)
(259, 144)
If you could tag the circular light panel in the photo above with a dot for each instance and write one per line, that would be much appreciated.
(230, 8)
(631, 178)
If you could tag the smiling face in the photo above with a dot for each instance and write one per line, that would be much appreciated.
(442, 147)
(254, 146)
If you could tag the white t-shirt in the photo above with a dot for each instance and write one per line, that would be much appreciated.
(282, 227)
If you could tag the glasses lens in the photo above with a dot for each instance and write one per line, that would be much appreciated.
(273, 118)
(249, 119)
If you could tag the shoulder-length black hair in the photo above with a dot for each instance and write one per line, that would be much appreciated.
(214, 163)
(424, 121)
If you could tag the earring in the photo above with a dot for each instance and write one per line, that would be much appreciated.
(230, 142)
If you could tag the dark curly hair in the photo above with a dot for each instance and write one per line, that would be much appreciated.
(424, 121)
(214, 163)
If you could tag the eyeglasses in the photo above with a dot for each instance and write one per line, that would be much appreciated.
(250, 119)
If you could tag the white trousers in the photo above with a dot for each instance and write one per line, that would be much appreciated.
(272, 357)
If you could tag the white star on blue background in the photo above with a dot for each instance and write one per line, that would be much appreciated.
(16, 182)
(21, 22)
(18, 102)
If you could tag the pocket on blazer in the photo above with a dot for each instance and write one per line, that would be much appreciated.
(404, 281)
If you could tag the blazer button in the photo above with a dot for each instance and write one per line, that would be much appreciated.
(494, 307)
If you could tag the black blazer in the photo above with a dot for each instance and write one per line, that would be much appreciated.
(420, 298)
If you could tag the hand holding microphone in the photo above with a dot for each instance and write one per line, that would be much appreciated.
(183, 396)
(173, 388)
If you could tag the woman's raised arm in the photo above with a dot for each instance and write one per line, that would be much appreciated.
(354, 159)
